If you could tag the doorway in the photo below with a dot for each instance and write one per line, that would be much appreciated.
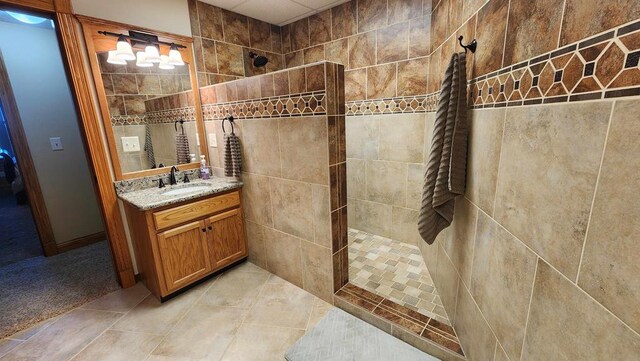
(51, 207)
(20, 238)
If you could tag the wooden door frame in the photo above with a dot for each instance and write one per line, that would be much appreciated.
(77, 66)
(25, 163)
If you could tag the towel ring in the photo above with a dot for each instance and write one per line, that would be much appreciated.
(175, 125)
(230, 119)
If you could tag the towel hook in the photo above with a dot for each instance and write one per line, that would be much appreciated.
(230, 119)
(175, 125)
(471, 46)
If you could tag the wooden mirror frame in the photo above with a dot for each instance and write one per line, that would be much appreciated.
(101, 43)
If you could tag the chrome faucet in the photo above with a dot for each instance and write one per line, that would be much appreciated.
(172, 176)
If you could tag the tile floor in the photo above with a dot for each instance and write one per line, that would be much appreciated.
(242, 315)
(394, 270)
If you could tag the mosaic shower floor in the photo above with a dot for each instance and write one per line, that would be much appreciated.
(394, 270)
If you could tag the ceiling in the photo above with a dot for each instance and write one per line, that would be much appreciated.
(24, 18)
(277, 12)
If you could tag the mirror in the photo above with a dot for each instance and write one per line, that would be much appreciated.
(150, 109)
(151, 115)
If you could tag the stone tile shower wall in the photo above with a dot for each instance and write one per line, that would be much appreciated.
(384, 47)
(541, 260)
(291, 126)
(223, 40)
(385, 155)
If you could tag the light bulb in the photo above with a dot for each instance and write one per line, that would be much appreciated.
(123, 49)
(152, 53)
(113, 59)
(164, 63)
(27, 19)
(175, 58)
(142, 60)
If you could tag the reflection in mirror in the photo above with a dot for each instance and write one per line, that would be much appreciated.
(152, 113)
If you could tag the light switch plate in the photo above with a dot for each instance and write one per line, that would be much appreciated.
(130, 144)
(213, 141)
(56, 143)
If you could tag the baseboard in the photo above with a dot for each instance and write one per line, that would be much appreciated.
(81, 242)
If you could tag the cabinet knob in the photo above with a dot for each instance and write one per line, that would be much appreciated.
(204, 230)
(210, 228)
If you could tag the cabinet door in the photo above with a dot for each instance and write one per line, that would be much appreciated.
(183, 254)
(226, 238)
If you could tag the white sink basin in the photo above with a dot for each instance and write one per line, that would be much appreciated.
(185, 190)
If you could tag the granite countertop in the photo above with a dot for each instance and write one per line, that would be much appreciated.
(150, 198)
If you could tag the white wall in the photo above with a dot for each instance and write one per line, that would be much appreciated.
(46, 107)
(171, 16)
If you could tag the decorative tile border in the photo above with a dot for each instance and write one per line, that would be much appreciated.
(428, 331)
(603, 66)
(128, 120)
(397, 105)
(188, 114)
(273, 107)
(156, 117)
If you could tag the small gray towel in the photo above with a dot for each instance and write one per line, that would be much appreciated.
(232, 156)
(445, 175)
(182, 149)
(148, 146)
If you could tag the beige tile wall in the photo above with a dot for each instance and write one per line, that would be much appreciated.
(541, 260)
(288, 219)
(294, 179)
(545, 266)
(385, 156)
(298, 91)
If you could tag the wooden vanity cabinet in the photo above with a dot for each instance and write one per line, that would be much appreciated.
(184, 254)
(180, 244)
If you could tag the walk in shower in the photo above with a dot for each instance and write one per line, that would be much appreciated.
(385, 157)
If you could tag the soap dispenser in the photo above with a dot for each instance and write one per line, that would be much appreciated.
(204, 170)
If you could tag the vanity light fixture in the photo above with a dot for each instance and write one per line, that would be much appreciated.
(123, 49)
(141, 60)
(113, 59)
(164, 63)
(151, 54)
(175, 58)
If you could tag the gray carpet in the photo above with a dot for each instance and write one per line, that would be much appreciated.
(18, 235)
(340, 336)
(38, 288)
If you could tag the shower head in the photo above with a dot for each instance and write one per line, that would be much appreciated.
(258, 60)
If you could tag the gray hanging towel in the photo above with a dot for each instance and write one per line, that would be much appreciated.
(148, 146)
(445, 175)
(232, 155)
(182, 149)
